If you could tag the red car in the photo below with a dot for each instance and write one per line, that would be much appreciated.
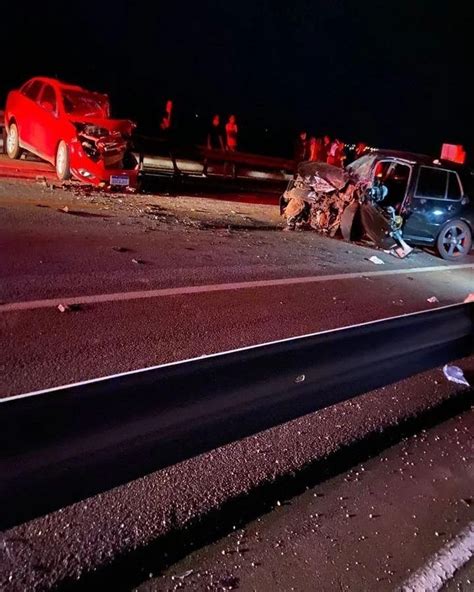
(71, 128)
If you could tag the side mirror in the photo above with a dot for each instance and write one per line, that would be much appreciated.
(464, 200)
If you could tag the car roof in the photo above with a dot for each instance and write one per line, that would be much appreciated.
(57, 83)
(408, 156)
(415, 158)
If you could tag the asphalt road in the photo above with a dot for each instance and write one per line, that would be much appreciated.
(118, 250)
(114, 256)
(370, 528)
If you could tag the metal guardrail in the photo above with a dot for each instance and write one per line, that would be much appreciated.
(193, 157)
(65, 444)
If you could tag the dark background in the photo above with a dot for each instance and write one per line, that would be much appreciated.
(394, 74)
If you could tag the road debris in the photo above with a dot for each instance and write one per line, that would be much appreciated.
(65, 209)
(455, 374)
(376, 260)
(432, 300)
(300, 378)
(120, 249)
(186, 574)
(69, 307)
(402, 251)
(138, 261)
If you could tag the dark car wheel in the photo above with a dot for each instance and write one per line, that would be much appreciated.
(454, 241)
(13, 142)
(63, 169)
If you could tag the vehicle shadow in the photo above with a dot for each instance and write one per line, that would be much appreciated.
(83, 214)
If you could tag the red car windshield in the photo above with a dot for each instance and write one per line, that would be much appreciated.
(78, 102)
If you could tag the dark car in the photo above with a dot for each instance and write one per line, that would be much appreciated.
(393, 197)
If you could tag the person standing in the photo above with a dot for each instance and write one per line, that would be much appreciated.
(300, 151)
(301, 148)
(167, 137)
(214, 140)
(315, 149)
(325, 148)
(231, 132)
(336, 153)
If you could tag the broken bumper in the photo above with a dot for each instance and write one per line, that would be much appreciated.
(85, 169)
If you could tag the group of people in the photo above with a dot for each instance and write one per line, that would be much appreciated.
(222, 137)
(324, 149)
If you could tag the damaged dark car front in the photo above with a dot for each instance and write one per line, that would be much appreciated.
(396, 199)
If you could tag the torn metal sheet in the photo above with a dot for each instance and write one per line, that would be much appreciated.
(327, 190)
(334, 197)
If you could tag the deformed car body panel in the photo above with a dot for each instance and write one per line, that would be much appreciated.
(377, 225)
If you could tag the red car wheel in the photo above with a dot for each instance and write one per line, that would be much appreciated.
(62, 162)
(13, 142)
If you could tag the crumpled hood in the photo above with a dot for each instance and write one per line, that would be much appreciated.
(124, 126)
(323, 177)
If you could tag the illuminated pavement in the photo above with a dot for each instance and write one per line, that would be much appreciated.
(122, 257)
(56, 245)
(370, 528)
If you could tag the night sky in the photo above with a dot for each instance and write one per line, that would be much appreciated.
(395, 74)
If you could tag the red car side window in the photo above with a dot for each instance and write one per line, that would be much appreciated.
(32, 89)
(48, 98)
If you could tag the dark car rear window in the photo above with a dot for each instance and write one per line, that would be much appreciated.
(467, 180)
(454, 189)
(432, 183)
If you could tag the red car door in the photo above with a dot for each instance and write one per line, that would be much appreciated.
(46, 124)
(24, 110)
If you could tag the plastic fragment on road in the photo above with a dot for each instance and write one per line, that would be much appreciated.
(455, 374)
(65, 209)
(300, 378)
(376, 260)
(432, 300)
(402, 251)
(69, 307)
(186, 574)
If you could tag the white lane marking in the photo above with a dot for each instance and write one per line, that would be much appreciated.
(184, 290)
(443, 564)
(214, 355)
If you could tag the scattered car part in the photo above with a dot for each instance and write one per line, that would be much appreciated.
(455, 374)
